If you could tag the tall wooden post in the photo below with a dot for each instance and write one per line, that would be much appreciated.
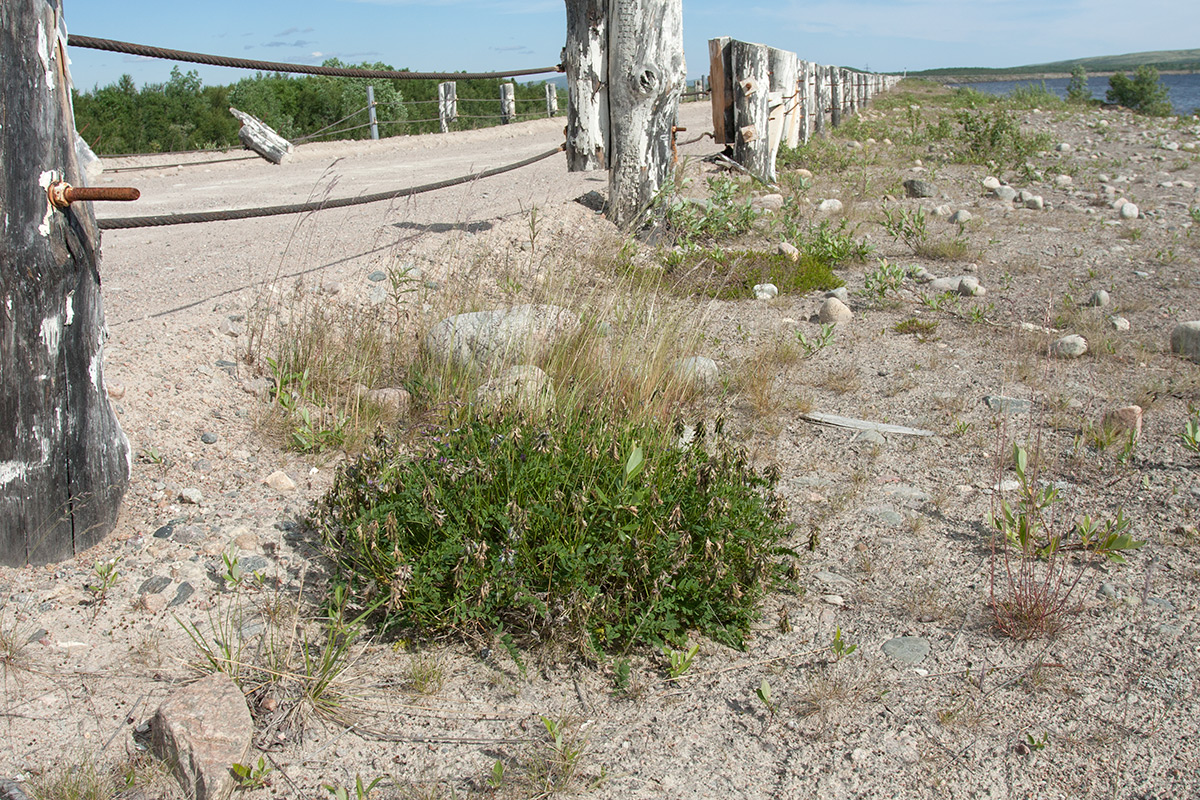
(721, 96)
(585, 58)
(447, 104)
(646, 73)
(819, 73)
(64, 462)
(806, 102)
(784, 68)
(508, 103)
(835, 96)
(551, 99)
(371, 112)
(751, 84)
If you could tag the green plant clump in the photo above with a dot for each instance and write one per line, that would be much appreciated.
(577, 531)
(1077, 88)
(723, 215)
(1142, 93)
(985, 136)
(732, 274)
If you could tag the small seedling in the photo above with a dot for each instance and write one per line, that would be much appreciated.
(106, 578)
(233, 571)
(361, 792)
(838, 646)
(885, 278)
(764, 693)
(252, 776)
(1037, 744)
(496, 779)
(818, 343)
(680, 660)
(1191, 434)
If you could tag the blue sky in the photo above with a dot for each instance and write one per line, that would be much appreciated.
(443, 35)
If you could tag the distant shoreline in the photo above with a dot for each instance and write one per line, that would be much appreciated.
(1036, 76)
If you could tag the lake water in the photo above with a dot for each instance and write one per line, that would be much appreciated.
(1184, 90)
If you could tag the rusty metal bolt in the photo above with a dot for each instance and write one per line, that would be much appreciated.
(62, 194)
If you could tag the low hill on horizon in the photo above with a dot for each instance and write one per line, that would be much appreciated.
(1159, 59)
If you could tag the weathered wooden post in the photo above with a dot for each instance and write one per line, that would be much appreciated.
(585, 58)
(64, 462)
(751, 83)
(784, 67)
(371, 112)
(447, 104)
(835, 96)
(819, 73)
(508, 103)
(806, 102)
(256, 135)
(721, 96)
(551, 99)
(646, 73)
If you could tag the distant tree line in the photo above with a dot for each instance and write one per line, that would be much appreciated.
(183, 114)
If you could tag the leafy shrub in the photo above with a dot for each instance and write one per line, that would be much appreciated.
(1033, 95)
(995, 136)
(721, 216)
(1077, 87)
(1142, 93)
(575, 529)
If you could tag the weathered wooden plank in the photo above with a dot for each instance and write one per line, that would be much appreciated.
(721, 81)
(64, 463)
(862, 425)
(806, 103)
(819, 74)
(835, 96)
(646, 75)
(585, 58)
(751, 108)
(259, 137)
(551, 99)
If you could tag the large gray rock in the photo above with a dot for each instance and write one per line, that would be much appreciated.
(1005, 193)
(919, 188)
(1070, 346)
(698, 371)
(482, 339)
(909, 650)
(834, 312)
(201, 731)
(1185, 340)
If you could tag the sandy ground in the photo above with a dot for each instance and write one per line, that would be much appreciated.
(1107, 708)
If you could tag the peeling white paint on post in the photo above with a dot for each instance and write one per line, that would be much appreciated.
(585, 59)
(835, 96)
(751, 108)
(784, 68)
(551, 99)
(819, 73)
(646, 75)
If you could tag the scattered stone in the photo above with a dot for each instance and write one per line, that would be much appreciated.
(280, 482)
(490, 338)
(202, 729)
(830, 206)
(165, 531)
(1006, 405)
(184, 591)
(766, 291)
(834, 599)
(115, 390)
(1126, 418)
(1063, 147)
(991, 183)
(943, 210)
(394, 401)
(909, 650)
(377, 276)
(1185, 340)
(191, 496)
(965, 285)
(525, 387)
(1110, 591)
(826, 576)
(785, 249)
(1070, 346)
(153, 603)
(377, 295)
(1005, 193)
(154, 584)
(1062, 181)
(919, 188)
(208, 438)
(700, 371)
(230, 328)
(1129, 211)
(889, 517)
(228, 367)
(871, 437)
(1119, 323)
(834, 312)
(805, 174)
(961, 217)
(1099, 299)
(768, 202)
(841, 293)
(1036, 203)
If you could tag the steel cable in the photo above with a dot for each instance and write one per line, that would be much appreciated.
(122, 223)
(129, 48)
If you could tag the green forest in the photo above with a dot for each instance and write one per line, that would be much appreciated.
(184, 114)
